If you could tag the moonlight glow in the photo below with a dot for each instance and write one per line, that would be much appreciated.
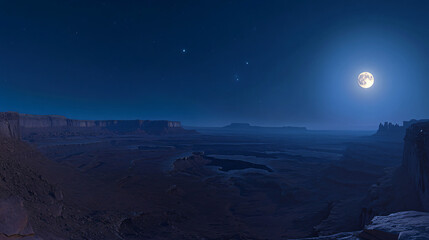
(365, 80)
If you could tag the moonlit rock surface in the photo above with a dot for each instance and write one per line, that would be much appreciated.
(409, 225)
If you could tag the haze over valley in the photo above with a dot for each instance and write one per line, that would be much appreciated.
(214, 120)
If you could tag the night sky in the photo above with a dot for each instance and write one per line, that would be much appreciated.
(209, 63)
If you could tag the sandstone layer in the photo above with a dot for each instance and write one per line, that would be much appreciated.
(14, 125)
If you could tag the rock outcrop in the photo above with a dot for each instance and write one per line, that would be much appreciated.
(389, 129)
(33, 207)
(416, 160)
(406, 187)
(31, 204)
(192, 165)
(407, 225)
(9, 125)
(14, 125)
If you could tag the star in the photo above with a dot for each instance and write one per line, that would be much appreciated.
(247, 63)
(184, 50)
(237, 78)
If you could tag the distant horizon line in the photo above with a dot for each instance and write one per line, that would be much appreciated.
(308, 127)
(281, 126)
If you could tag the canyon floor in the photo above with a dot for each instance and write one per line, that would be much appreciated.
(219, 186)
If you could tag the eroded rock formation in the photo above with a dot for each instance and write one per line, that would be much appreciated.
(389, 129)
(14, 125)
(406, 187)
(31, 206)
(407, 225)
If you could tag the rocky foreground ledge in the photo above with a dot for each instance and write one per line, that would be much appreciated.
(16, 125)
(408, 225)
(397, 207)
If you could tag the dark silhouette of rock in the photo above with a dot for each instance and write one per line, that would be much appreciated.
(406, 187)
(416, 159)
(388, 129)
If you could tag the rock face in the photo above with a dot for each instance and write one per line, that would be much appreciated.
(26, 202)
(32, 207)
(14, 125)
(394, 130)
(390, 129)
(416, 159)
(9, 125)
(406, 187)
(407, 225)
(14, 218)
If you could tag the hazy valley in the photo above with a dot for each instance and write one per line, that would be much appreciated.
(182, 184)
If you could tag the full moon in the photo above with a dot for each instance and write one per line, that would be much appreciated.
(365, 80)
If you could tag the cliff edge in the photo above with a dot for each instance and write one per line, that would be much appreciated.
(32, 206)
(416, 159)
(405, 188)
(16, 125)
(9, 125)
(390, 130)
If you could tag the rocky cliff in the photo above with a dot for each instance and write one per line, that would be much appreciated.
(407, 225)
(31, 204)
(388, 129)
(406, 187)
(398, 203)
(54, 125)
(416, 159)
(9, 125)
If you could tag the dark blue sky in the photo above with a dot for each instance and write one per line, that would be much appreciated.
(262, 62)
